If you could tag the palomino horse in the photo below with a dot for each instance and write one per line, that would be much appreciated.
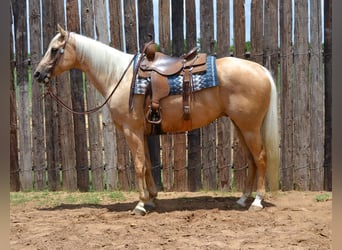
(246, 93)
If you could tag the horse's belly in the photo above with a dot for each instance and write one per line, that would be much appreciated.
(204, 108)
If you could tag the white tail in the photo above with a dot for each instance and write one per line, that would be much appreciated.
(270, 134)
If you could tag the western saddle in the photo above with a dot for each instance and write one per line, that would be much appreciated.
(156, 67)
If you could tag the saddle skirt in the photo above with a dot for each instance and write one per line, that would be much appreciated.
(206, 79)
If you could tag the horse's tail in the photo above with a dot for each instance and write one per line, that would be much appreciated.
(270, 134)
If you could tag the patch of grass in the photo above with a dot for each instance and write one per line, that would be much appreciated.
(322, 197)
(51, 199)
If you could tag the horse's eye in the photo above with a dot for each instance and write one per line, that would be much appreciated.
(53, 51)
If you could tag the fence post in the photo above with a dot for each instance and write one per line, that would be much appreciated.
(51, 126)
(287, 81)
(316, 97)
(77, 98)
(301, 98)
(65, 121)
(223, 124)
(125, 167)
(146, 27)
(240, 160)
(208, 132)
(271, 54)
(328, 93)
(108, 127)
(180, 180)
(14, 165)
(166, 140)
(38, 145)
(24, 112)
(194, 136)
(94, 124)
(116, 36)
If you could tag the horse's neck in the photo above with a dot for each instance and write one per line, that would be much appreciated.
(104, 65)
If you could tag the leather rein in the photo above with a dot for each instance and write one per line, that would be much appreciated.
(49, 90)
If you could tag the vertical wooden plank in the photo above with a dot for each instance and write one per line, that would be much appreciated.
(271, 36)
(287, 81)
(328, 93)
(130, 26)
(94, 123)
(24, 112)
(166, 140)
(239, 157)
(194, 136)
(301, 98)
(116, 25)
(208, 132)
(14, 158)
(116, 35)
(51, 121)
(257, 31)
(317, 97)
(177, 16)
(101, 27)
(77, 98)
(65, 121)
(146, 27)
(239, 28)
(38, 145)
(271, 54)
(125, 168)
(223, 124)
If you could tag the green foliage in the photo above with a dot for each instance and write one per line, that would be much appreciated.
(323, 197)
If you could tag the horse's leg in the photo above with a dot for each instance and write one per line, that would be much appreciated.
(254, 143)
(151, 186)
(135, 140)
(251, 170)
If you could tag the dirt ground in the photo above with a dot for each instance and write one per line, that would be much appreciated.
(200, 220)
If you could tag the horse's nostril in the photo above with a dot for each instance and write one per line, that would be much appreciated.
(36, 74)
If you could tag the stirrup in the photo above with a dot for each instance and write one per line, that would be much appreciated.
(153, 117)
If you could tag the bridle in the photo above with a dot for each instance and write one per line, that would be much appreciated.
(49, 90)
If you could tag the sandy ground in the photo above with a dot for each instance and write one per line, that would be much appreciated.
(200, 220)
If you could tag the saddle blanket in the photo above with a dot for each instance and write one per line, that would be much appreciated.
(203, 80)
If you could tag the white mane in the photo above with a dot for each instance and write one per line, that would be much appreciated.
(105, 63)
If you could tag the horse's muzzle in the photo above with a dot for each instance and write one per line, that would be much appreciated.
(41, 77)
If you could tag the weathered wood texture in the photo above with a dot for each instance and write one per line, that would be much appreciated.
(78, 99)
(14, 158)
(50, 107)
(208, 132)
(316, 93)
(328, 94)
(239, 157)
(301, 98)
(202, 158)
(194, 136)
(65, 119)
(24, 112)
(287, 81)
(223, 124)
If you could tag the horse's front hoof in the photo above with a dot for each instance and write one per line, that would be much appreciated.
(254, 208)
(143, 208)
(139, 211)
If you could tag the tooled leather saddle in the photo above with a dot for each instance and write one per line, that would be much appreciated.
(156, 67)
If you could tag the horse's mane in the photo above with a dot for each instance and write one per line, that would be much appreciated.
(104, 58)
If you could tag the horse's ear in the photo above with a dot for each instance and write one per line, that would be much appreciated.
(61, 30)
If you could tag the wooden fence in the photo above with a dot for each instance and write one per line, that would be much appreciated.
(53, 149)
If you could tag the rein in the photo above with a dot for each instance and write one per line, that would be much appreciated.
(86, 112)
